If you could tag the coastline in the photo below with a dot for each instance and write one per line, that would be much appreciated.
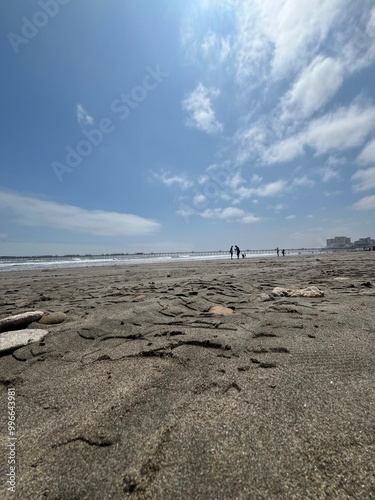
(142, 392)
(75, 261)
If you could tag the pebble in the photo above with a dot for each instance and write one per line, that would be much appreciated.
(52, 318)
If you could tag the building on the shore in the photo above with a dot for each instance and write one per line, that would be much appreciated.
(344, 242)
(364, 243)
(339, 242)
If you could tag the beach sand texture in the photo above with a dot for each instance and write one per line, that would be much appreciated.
(142, 393)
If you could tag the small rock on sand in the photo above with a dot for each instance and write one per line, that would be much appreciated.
(264, 297)
(224, 311)
(9, 341)
(52, 318)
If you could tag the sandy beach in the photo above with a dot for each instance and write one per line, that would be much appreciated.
(141, 392)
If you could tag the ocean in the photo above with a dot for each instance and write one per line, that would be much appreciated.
(55, 262)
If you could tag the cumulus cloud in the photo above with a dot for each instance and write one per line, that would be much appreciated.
(364, 179)
(303, 182)
(265, 190)
(229, 214)
(327, 173)
(368, 153)
(347, 127)
(366, 203)
(280, 37)
(83, 117)
(315, 86)
(30, 211)
(201, 115)
(174, 180)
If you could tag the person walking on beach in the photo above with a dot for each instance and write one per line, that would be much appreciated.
(277, 251)
(283, 252)
(238, 251)
(231, 252)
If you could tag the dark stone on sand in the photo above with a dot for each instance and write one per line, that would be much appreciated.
(267, 365)
(367, 284)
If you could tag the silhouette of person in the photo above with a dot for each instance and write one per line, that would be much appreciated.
(238, 251)
(277, 251)
(231, 252)
(283, 252)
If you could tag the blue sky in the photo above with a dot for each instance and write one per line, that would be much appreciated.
(160, 125)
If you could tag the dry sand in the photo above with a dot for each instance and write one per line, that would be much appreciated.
(141, 393)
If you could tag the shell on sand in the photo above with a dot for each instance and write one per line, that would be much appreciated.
(310, 291)
(19, 320)
(9, 341)
(225, 311)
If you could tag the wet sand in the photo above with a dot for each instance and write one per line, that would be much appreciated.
(142, 393)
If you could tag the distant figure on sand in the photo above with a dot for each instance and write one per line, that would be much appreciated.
(277, 251)
(238, 251)
(243, 255)
(283, 252)
(231, 252)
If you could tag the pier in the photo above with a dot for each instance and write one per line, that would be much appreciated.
(269, 252)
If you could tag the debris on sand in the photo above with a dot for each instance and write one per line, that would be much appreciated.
(19, 320)
(310, 291)
(9, 341)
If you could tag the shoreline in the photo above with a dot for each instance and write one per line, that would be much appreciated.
(142, 392)
(53, 262)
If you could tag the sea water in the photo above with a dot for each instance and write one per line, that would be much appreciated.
(55, 262)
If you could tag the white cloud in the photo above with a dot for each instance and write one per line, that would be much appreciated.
(333, 193)
(281, 36)
(198, 105)
(82, 116)
(271, 189)
(229, 214)
(315, 86)
(365, 179)
(216, 47)
(303, 182)
(290, 217)
(347, 127)
(328, 173)
(250, 219)
(235, 181)
(265, 190)
(277, 207)
(185, 211)
(333, 161)
(285, 150)
(359, 51)
(366, 203)
(368, 153)
(171, 180)
(203, 179)
(29, 211)
(199, 199)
